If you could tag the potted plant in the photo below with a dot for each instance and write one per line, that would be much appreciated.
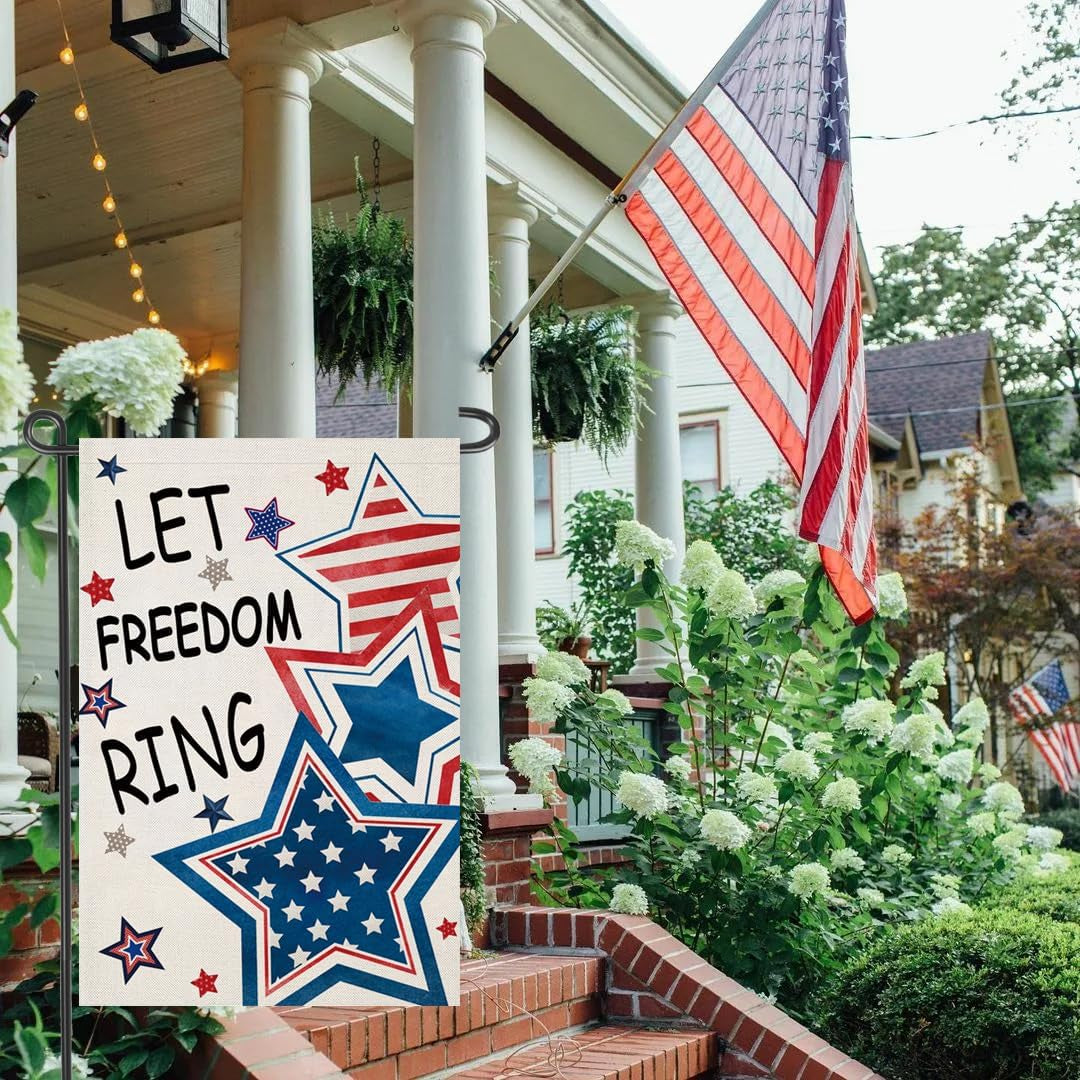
(363, 297)
(586, 382)
(565, 630)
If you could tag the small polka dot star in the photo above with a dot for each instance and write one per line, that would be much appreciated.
(205, 984)
(98, 589)
(267, 523)
(216, 571)
(118, 841)
(447, 928)
(333, 477)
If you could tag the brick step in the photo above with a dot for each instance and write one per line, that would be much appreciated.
(402, 1043)
(611, 1052)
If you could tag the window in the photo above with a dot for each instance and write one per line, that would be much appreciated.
(543, 504)
(699, 448)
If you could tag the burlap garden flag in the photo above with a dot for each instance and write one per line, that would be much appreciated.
(268, 722)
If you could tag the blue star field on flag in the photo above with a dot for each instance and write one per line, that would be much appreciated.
(326, 886)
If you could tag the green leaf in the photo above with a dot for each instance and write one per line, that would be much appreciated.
(160, 1061)
(33, 545)
(649, 633)
(45, 840)
(27, 498)
(131, 1061)
(860, 830)
(45, 908)
(13, 852)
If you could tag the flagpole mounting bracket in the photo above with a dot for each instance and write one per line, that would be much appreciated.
(469, 412)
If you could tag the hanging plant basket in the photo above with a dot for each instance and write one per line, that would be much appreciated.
(363, 290)
(586, 382)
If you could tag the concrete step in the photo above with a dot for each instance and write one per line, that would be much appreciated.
(562, 993)
(611, 1052)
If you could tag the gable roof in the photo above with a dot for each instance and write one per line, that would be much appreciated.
(913, 378)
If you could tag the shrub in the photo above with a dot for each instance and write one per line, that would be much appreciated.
(1056, 897)
(1067, 820)
(989, 995)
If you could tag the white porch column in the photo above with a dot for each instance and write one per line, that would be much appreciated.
(657, 467)
(217, 405)
(511, 216)
(452, 328)
(277, 347)
(12, 774)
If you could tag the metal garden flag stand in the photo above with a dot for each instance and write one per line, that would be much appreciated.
(299, 670)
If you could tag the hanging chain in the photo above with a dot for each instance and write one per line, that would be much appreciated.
(560, 293)
(376, 182)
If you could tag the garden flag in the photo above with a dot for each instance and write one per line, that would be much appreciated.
(746, 204)
(1040, 706)
(268, 722)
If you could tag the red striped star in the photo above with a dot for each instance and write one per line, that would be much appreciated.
(447, 928)
(333, 477)
(205, 984)
(99, 588)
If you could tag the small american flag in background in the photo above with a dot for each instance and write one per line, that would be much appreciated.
(1044, 695)
(746, 204)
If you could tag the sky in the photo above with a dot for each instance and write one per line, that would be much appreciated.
(913, 65)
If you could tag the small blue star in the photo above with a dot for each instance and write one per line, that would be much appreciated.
(267, 523)
(110, 469)
(214, 811)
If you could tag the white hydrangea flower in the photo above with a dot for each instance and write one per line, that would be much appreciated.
(944, 734)
(841, 794)
(928, 670)
(892, 597)
(798, 765)
(136, 376)
(974, 718)
(1052, 862)
(81, 1068)
(1004, 799)
(806, 659)
(616, 701)
(983, 824)
(563, 668)
(818, 742)
(895, 855)
(950, 801)
(870, 896)
(807, 879)
(16, 378)
(689, 858)
(637, 544)
(846, 858)
(959, 765)
(944, 885)
(775, 583)
(775, 730)
(678, 766)
(989, 771)
(837, 899)
(221, 1012)
(724, 830)
(951, 905)
(754, 787)
(872, 717)
(729, 596)
(642, 794)
(546, 699)
(700, 566)
(534, 759)
(1044, 838)
(917, 736)
(1011, 843)
(627, 899)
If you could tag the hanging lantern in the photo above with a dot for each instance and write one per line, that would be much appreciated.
(171, 34)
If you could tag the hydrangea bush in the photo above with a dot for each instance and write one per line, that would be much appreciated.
(804, 808)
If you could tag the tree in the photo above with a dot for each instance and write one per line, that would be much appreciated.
(1023, 288)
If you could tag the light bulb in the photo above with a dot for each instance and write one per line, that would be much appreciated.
(81, 111)
(153, 317)
(135, 270)
(98, 161)
(120, 240)
(108, 204)
(67, 55)
(138, 295)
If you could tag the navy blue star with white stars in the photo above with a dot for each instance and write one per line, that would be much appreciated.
(834, 126)
(267, 523)
(110, 469)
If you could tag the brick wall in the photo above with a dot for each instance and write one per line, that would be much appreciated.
(24, 884)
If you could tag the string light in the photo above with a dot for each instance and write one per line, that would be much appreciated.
(98, 163)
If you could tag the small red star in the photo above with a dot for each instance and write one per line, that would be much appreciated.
(333, 478)
(205, 984)
(100, 588)
(447, 929)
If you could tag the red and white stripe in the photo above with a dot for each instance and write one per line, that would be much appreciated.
(1057, 743)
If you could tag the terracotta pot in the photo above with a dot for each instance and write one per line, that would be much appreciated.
(578, 646)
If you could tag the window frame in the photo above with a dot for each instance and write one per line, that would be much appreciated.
(717, 422)
(547, 553)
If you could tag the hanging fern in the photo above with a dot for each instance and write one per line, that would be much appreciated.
(363, 297)
(586, 382)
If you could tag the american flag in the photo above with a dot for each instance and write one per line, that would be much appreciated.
(746, 203)
(1042, 696)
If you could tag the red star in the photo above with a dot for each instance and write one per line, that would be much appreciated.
(447, 929)
(100, 588)
(205, 984)
(333, 478)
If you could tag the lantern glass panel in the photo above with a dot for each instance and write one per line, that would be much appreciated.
(169, 34)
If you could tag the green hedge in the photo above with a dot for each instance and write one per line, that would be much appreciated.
(1056, 897)
(992, 995)
(1067, 820)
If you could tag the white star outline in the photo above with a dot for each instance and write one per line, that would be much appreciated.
(213, 868)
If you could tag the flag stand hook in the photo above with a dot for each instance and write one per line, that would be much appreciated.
(62, 450)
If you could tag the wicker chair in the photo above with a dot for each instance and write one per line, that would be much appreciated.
(39, 750)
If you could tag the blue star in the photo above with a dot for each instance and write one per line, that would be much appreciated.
(110, 469)
(100, 702)
(214, 811)
(267, 523)
(135, 949)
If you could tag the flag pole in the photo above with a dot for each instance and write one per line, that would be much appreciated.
(618, 194)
